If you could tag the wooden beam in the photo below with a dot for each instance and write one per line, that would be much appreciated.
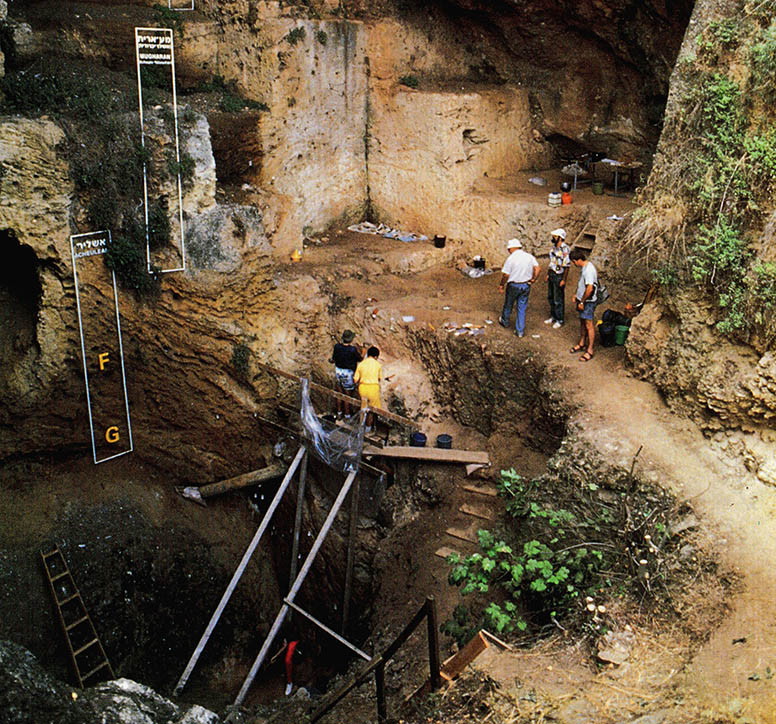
(276, 470)
(384, 414)
(434, 454)
(453, 666)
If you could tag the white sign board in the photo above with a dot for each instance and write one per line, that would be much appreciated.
(101, 347)
(155, 54)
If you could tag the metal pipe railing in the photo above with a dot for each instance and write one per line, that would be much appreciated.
(377, 665)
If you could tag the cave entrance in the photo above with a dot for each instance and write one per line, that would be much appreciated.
(20, 293)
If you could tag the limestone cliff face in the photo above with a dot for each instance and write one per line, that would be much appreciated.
(39, 330)
(178, 346)
(501, 90)
(725, 380)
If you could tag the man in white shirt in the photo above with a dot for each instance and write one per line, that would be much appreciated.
(585, 300)
(519, 272)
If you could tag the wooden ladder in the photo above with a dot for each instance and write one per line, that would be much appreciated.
(86, 651)
(586, 238)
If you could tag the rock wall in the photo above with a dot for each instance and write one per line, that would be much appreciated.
(725, 384)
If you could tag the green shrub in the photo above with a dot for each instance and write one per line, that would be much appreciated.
(558, 550)
(241, 355)
(762, 61)
(411, 81)
(126, 256)
(185, 167)
(166, 17)
(295, 36)
(321, 37)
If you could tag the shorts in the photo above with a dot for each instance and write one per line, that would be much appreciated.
(588, 311)
(345, 378)
(370, 395)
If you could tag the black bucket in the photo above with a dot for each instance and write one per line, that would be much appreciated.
(439, 241)
(444, 441)
(478, 263)
(417, 439)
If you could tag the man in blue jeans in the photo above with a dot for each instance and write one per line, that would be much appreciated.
(519, 272)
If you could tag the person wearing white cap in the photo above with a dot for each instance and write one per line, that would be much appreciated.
(519, 272)
(557, 272)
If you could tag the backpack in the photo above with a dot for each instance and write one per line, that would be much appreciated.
(601, 293)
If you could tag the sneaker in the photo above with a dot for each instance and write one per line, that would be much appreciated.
(502, 324)
(517, 334)
(549, 320)
(557, 325)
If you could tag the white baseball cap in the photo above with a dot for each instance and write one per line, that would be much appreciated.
(560, 232)
(514, 244)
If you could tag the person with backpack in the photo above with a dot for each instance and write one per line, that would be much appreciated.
(585, 300)
(557, 273)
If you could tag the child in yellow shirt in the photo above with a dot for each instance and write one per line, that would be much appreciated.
(368, 377)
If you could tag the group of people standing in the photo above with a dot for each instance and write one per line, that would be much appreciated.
(354, 372)
(521, 271)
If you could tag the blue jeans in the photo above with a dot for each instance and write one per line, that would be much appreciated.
(555, 296)
(515, 293)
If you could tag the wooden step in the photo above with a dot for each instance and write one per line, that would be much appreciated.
(467, 534)
(476, 511)
(488, 490)
(444, 552)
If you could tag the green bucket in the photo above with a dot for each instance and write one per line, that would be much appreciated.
(621, 334)
(598, 188)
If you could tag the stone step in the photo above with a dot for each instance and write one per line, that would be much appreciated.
(444, 552)
(476, 511)
(488, 490)
(468, 534)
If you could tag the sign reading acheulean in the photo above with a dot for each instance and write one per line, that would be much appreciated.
(155, 55)
(101, 347)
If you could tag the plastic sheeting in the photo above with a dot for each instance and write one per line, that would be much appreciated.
(337, 445)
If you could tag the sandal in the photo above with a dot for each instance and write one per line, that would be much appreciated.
(586, 357)
(576, 348)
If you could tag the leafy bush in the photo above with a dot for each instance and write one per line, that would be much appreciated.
(166, 17)
(295, 36)
(411, 81)
(321, 37)
(549, 561)
(241, 355)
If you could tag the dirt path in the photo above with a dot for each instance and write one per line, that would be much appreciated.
(621, 415)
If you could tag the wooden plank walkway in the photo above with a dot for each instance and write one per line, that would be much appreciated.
(433, 454)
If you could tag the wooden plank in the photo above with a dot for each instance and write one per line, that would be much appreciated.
(384, 414)
(453, 666)
(276, 470)
(488, 490)
(434, 454)
(504, 645)
(459, 661)
(444, 552)
(467, 534)
(476, 511)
